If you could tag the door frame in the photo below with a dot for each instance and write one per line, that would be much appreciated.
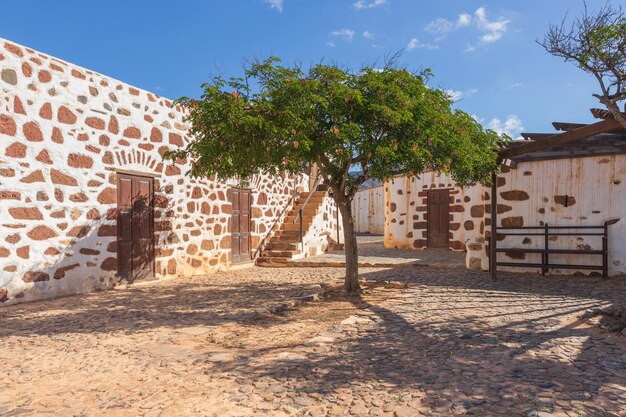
(428, 218)
(152, 247)
(248, 258)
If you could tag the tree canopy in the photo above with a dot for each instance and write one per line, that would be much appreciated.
(382, 122)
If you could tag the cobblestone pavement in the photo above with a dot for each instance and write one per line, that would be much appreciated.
(453, 343)
(372, 252)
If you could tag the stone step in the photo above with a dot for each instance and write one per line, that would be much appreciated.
(305, 194)
(271, 262)
(308, 211)
(282, 246)
(312, 200)
(296, 226)
(279, 253)
(286, 239)
(288, 232)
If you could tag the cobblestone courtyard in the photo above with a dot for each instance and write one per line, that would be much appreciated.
(452, 343)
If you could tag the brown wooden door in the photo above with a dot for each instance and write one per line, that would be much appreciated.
(135, 227)
(438, 221)
(240, 225)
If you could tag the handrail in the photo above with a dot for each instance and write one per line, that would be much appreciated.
(317, 179)
(280, 216)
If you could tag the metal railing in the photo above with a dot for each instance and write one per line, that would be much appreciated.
(547, 231)
(317, 180)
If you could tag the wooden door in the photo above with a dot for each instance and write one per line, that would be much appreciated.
(135, 227)
(240, 225)
(438, 218)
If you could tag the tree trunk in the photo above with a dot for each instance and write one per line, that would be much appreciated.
(351, 283)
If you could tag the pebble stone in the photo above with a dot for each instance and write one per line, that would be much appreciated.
(453, 343)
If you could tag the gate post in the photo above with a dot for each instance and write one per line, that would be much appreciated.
(494, 228)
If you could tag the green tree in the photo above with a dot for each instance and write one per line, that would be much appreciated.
(381, 121)
(596, 43)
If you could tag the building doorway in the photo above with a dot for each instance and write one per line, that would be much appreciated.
(135, 227)
(438, 218)
(240, 225)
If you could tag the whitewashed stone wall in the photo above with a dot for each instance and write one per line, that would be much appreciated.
(406, 216)
(323, 229)
(532, 194)
(64, 132)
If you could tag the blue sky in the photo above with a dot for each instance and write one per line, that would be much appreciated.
(483, 51)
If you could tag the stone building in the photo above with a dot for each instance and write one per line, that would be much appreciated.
(85, 198)
(569, 179)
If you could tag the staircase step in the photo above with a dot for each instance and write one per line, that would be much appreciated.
(287, 239)
(280, 253)
(312, 200)
(277, 245)
(296, 226)
(271, 262)
(314, 194)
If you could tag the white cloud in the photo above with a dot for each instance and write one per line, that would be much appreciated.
(512, 126)
(416, 44)
(364, 4)
(439, 26)
(456, 95)
(331, 44)
(346, 34)
(275, 4)
(368, 35)
(492, 30)
(464, 20)
(516, 85)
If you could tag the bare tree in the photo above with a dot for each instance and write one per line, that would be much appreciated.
(596, 43)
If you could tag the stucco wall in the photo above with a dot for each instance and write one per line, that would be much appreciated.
(406, 217)
(368, 210)
(323, 230)
(64, 131)
(532, 194)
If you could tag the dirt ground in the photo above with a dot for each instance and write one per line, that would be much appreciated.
(452, 343)
(125, 352)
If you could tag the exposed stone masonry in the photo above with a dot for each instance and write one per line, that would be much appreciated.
(64, 132)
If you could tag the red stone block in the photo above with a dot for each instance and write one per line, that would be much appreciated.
(36, 176)
(41, 233)
(17, 106)
(25, 213)
(95, 122)
(44, 76)
(65, 115)
(132, 133)
(35, 276)
(7, 125)
(32, 132)
(76, 160)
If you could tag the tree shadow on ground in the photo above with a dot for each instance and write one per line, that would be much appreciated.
(201, 301)
(459, 344)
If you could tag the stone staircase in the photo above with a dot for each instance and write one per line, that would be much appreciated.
(285, 244)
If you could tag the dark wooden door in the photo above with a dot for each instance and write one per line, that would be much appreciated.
(135, 227)
(438, 221)
(240, 225)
